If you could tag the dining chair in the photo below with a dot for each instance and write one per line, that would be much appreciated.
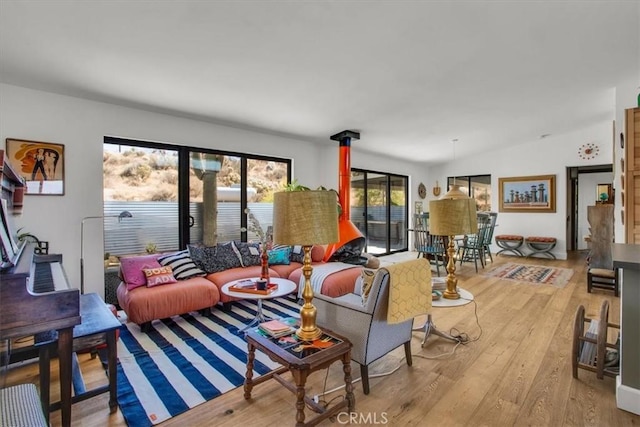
(427, 245)
(472, 247)
(493, 216)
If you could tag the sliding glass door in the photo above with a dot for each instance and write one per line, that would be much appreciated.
(142, 181)
(182, 195)
(379, 209)
(477, 187)
(215, 209)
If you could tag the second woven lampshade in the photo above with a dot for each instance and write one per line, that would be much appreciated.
(453, 214)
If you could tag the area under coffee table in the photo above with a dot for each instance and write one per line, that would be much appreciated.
(285, 287)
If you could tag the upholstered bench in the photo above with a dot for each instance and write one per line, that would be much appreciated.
(20, 406)
(510, 243)
(541, 245)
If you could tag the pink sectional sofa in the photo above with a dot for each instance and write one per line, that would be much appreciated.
(195, 290)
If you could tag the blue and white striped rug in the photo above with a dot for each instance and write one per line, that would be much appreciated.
(187, 360)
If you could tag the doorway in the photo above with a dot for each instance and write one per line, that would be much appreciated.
(584, 185)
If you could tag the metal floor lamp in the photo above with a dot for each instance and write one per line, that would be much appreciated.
(429, 327)
(123, 214)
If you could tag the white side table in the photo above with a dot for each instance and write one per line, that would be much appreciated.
(285, 287)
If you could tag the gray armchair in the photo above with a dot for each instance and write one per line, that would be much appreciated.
(366, 326)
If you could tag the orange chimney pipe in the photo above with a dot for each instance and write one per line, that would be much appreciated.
(348, 230)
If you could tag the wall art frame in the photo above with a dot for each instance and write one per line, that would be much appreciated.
(40, 163)
(531, 194)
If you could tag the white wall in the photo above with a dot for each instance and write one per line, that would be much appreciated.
(549, 156)
(587, 186)
(81, 126)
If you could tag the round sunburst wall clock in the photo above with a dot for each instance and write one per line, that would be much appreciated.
(588, 151)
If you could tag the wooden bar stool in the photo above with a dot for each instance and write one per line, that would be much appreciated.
(603, 278)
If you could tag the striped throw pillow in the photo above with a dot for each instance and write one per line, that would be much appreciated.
(181, 264)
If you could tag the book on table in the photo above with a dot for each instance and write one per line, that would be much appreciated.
(302, 349)
(276, 328)
(438, 283)
(589, 350)
(251, 287)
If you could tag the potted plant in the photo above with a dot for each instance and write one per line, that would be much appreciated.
(41, 247)
(27, 237)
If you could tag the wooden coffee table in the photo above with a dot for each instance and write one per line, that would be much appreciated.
(285, 287)
(301, 364)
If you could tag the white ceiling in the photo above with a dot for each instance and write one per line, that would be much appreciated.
(411, 76)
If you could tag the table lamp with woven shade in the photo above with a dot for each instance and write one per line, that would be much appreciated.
(453, 214)
(306, 218)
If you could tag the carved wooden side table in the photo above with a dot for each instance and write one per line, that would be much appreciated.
(301, 362)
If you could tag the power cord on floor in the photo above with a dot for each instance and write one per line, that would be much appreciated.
(462, 338)
(441, 355)
(317, 397)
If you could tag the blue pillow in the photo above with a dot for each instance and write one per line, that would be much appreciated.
(279, 256)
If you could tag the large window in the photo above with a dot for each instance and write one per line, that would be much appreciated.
(180, 195)
(477, 187)
(379, 208)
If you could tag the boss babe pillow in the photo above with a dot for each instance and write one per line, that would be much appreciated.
(159, 276)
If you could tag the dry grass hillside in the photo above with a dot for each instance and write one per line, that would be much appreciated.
(152, 175)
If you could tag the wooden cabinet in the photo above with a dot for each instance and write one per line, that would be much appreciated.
(631, 177)
(600, 219)
(627, 259)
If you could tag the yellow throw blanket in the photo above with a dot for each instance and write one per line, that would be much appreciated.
(409, 290)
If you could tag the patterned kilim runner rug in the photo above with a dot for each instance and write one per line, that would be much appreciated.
(535, 274)
(187, 360)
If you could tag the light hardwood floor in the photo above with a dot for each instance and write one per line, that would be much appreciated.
(517, 373)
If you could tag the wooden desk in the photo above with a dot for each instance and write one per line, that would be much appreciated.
(301, 366)
(98, 327)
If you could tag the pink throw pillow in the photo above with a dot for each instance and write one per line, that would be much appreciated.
(131, 268)
(317, 253)
(159, 276)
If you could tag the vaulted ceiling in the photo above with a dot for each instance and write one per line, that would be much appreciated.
(411, 76)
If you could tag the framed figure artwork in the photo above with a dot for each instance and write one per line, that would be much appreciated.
(528, 194)
(40, 163)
